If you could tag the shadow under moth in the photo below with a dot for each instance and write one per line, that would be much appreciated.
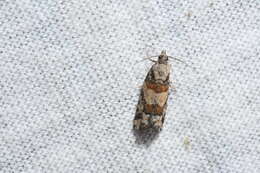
(152, 104)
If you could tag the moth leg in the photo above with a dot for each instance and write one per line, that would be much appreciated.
(140, 86)
(152, 60)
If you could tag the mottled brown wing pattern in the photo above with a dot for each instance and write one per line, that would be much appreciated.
(152, 104)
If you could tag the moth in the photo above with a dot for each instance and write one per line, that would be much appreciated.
(152, 104)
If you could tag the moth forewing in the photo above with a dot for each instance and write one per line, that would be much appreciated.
(152, 104)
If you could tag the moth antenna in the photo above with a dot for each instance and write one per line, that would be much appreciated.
(149, 58)
(177, 59)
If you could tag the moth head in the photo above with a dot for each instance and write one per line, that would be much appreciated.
(163, 58)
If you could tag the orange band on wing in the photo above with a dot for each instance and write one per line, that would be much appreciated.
(153, 109)
(158, 88)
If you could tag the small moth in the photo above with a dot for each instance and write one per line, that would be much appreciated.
(152, 104)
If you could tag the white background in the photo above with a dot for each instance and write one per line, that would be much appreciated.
(70, 78)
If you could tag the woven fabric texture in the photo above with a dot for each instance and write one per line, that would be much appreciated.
(70, 75)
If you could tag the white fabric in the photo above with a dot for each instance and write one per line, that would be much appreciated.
(70, 78)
